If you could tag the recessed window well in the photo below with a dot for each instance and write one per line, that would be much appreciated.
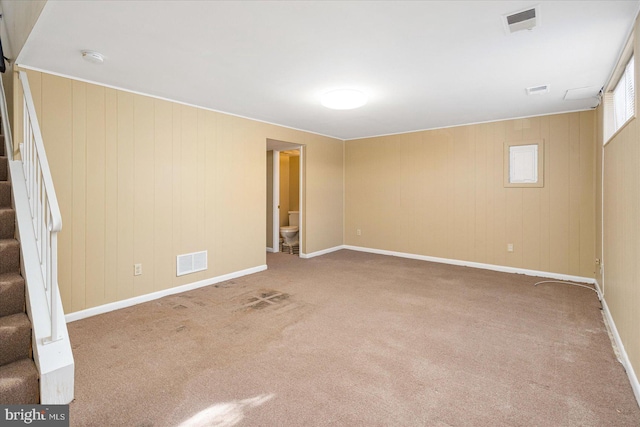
(344, 99)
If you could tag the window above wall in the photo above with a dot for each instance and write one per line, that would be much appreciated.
(624, 97)
(619, 97)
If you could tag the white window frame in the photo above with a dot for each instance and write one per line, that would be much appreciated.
(624, 73)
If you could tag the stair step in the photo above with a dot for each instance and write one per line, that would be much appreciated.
(5, 194)
(9, 256)
(15, 336)
(2, 146)
(12, 297)
(19, 383)
(7, 223)
(4, 168)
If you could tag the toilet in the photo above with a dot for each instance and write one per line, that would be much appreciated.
(290, 232)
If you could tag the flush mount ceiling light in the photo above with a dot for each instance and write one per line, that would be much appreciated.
(93, 56)
(344, 99)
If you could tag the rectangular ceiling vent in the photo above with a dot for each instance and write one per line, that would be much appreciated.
(591, 92)
(527, 19)
(537, 90)
(190, 263)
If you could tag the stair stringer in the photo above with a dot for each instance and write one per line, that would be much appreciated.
(54, 360)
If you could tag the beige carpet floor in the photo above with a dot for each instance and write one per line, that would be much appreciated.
(354, 339)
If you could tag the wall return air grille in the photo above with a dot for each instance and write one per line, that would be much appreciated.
(190, 263)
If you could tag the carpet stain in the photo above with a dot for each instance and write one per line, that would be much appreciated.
(265, 298)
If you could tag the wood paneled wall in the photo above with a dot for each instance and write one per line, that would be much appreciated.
(440, 193)
(622, 236)
(141, 180)
(621, 212)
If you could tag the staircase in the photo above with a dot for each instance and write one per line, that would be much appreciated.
(18, 373)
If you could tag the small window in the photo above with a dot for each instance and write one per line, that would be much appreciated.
(619, 94)
(523, 164)
(624, 97)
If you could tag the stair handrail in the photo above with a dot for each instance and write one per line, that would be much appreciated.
(6, 127)
(43, 203)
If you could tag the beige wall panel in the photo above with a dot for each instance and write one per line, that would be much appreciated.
(558, 147)
(323, 204)
(545, 204)
(599, 160)
(463, 189)
(143, 217)
(284, 190)
(78, 279)
(252, 205)
(111, 195)
(574, 193)
(587, 192)
(177, 168)
(622, 236)
(491, 164)
(164, 258)
(514, 220)
(481, 147)
(126, 196)
(514, 225)
(95, 194)
(227, 192)
(500, 213)
(531, 205)
(294, 183)
(211, 218)
(189, 238)
(35, 84)
(269, 206)
(200, 177)
(531, 225)
(56, 100)
(448, 184)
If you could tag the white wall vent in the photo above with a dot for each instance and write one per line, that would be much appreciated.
(190, 263)
(527, 19)
(537, 90)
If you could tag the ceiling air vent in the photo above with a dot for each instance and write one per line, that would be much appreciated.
(526, 19)
(537, 90)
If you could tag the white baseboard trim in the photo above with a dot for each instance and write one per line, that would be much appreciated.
(271, 250)
(94, 311)
(501, 268)
(322, 252)
(621, 352)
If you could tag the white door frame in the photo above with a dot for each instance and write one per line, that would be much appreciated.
(276, 198)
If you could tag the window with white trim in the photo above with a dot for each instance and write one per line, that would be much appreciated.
(624, 97)
(619, 94)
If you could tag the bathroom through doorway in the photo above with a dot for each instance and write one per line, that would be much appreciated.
(285, 228)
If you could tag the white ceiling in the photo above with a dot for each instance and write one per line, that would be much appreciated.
(423, 64)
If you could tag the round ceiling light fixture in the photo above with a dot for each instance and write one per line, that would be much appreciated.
(344, 99)
(93, 56)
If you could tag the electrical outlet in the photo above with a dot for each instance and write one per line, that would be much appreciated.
(358, 232)
(597, 261)
(509, 247)
(137, 269)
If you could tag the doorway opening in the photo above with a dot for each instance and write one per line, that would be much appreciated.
(285, 197)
